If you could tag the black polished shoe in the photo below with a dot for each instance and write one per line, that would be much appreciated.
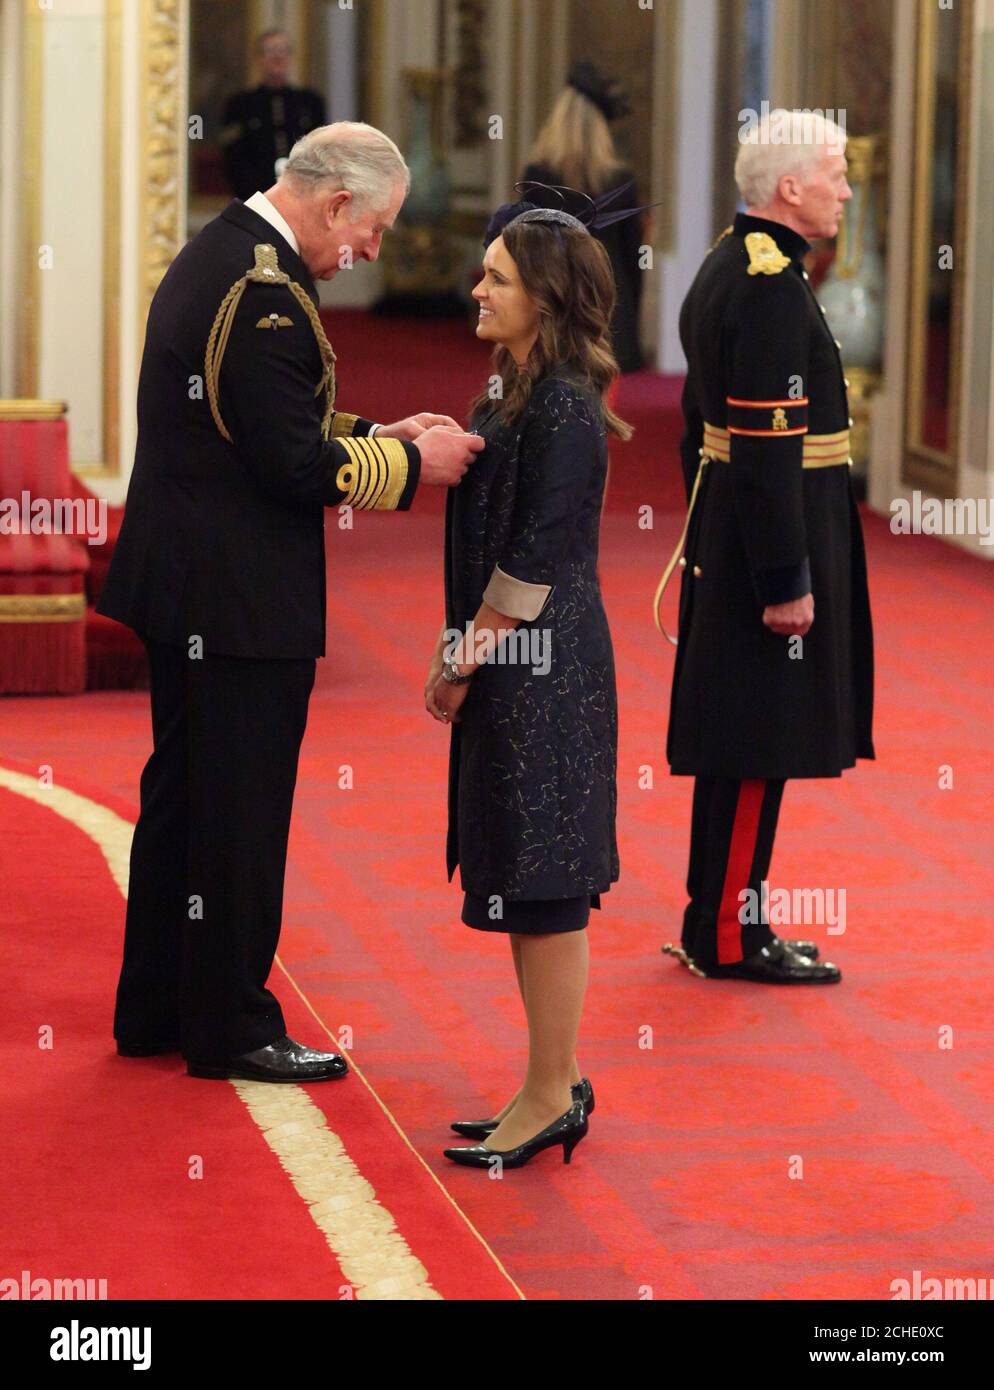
(283, 1060)
(777, 964)
(144, 1049)
(801, 948)
(479, 1129)
(568, 1130)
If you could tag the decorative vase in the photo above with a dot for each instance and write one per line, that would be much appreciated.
(853, 290)
(428, 202)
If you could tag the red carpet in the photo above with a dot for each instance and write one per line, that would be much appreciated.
(102, 1151)
(709, 1096)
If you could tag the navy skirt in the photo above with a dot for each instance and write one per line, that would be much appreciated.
(532, 917)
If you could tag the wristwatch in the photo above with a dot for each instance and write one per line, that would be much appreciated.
(450, 673)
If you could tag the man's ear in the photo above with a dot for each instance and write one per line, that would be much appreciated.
(790, 189)
(338, 203)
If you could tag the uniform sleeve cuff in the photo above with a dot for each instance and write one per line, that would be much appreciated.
(346, 426)
(783, 585)
(413, 474)
(515, 598)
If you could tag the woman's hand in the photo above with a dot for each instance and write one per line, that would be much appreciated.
(434, 671)
(445, 701)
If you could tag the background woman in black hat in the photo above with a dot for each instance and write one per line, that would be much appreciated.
(532, 794)
(575, 147)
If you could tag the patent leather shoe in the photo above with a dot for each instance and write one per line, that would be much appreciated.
(567, 1130)
(777, 964)
(479, 1129)
(283, 1060)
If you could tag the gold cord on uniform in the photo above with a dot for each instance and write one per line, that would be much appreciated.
(375, 476)
(266, 271)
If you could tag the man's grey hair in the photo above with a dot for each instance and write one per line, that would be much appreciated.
(351, 155)
(783, 142)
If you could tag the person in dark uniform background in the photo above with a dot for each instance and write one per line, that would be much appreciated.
(220, 568)
(575, 147)
(774, 665)
(262, 125)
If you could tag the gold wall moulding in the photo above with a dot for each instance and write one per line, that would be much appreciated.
(32, 410)
(42, 608)
(161, 151)
(941, 144)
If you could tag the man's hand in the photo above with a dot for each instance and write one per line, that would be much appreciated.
(790, 619)
(446, 452)
(414, 425)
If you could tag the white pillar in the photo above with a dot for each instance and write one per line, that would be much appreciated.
(11, 244)
(692, 233)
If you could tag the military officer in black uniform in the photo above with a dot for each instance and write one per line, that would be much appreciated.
(262, 125)
(774, 667)
(220, 568)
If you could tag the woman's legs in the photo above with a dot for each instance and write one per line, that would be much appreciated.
(553, 981)
(519, 972)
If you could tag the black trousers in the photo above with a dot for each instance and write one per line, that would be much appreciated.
(733, 826)
(205, 899)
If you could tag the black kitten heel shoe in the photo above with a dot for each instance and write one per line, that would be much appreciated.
(479, 1129)
(568, 1130)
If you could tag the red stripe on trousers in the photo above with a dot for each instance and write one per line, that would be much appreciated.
(741, 852)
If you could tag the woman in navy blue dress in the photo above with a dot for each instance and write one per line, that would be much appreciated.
(523, 669)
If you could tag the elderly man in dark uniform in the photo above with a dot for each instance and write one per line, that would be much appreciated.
(261, 125)
(774, 666)
(220, 568)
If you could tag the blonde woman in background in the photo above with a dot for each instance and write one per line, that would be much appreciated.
(575, 147)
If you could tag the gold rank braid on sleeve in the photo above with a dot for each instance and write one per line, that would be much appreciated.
(265, 271)
(342, 423)
(376, 474)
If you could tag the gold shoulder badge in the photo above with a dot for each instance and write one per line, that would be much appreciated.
(275, 321)
(779, 419)
(266, 270)
(765, 256)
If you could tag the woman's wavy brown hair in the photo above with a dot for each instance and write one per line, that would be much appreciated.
(567, 275)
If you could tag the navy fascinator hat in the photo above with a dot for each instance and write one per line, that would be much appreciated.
(555, 206)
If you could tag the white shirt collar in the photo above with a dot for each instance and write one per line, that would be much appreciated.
(260, 203)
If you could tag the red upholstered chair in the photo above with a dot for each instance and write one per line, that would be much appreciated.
(42, 577)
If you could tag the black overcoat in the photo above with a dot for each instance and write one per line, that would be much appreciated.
(532, 793)
(766, 374)
(261, 126)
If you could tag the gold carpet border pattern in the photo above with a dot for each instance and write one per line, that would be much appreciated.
(110, 832)
(360, 1232)
(371, 1252)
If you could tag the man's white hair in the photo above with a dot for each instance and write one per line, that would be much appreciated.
(783, 142)
(351, 155)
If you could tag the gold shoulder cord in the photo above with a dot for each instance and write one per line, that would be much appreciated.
(266, 271)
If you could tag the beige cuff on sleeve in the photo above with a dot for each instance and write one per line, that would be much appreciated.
(514, 597)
